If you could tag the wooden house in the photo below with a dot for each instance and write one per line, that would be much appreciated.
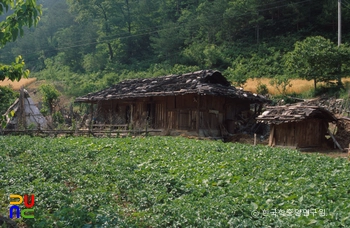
(297, 126)
(203, 103)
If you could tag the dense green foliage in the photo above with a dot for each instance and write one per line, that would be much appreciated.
(91, 44)
(171, 182)
(50, 97)
(318, 59)
(22, 13)
(7, 97)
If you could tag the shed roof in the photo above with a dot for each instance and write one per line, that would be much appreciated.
(205, 82)
(31, 113)
(295, 113)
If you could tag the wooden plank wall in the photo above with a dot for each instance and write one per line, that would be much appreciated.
(307, 133)
(284, 135)
(171, 112)
(186, 106)
(181, 112)
(160, 115)
(212, 115)
(191, 112)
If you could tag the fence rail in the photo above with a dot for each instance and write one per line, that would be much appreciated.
(93, 132)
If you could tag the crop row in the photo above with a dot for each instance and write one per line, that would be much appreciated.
(171, 182)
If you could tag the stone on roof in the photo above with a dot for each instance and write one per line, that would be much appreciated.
(205, 82)
(286, 114)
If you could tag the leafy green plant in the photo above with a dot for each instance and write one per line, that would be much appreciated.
(167, 181)
(262, 89)
(3, 119)
(317, 58)
(20, 13)
(31, 126)
(50, 96)
(237, 75)
(7, 97)
(58, 118)
(281, 83)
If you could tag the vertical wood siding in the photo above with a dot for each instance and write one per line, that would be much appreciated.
(192, 112)
(306, 133)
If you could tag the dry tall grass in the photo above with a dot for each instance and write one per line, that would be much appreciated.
(16, 85)
(298, 85)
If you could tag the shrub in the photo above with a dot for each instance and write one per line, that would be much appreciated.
(7, 97)
(262, 89)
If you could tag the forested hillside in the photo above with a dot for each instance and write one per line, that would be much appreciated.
(88, 45)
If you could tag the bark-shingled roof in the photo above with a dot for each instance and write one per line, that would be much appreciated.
(296, 113)
(205, 82)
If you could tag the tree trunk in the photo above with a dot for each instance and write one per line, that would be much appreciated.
(340, 84)
(111, 55)
(128, 19)
(315, 82)
(108, 30)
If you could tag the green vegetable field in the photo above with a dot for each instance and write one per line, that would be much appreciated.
(171, 182)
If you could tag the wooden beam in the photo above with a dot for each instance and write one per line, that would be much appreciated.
(91, 115)
(334, 140)
(22, 116)
(198, 114)
(254, 139)
(272, 135)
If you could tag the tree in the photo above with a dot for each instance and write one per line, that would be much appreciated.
(112, 19)
(318, 59)
(50, 96)
(266, 62)
(281, 83)
(7, 97)
(168, 42)
(238, 73)
(24, 13)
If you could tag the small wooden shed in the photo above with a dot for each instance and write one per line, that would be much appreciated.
(203, 103)
(25, 114)
(297, 126)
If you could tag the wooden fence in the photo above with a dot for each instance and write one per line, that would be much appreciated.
(86, 132)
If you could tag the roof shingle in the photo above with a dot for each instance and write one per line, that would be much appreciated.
(206, 82)
(296, 113)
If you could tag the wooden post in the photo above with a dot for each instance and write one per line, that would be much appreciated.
(334, 140)
(91, 116)
(131, 114)
(198, 114)
(22, 114)
(254, 139)
(146, 128)
(272, 135)
(166, 119)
